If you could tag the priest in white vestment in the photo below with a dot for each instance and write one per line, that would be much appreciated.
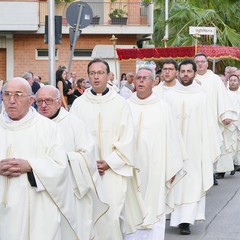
(234, 95)
(127, 89)
(159, 155)
(80, 149)
(35, 183)
(189, 105)
(111, 83)
(169, 74)
(108, 118)
(222, 110)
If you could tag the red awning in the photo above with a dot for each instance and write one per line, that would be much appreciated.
(218, 52)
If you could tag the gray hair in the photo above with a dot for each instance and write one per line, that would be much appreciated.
(129, 74)
(148, 69)
(27, 75)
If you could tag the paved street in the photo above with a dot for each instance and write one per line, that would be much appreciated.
(222, 214)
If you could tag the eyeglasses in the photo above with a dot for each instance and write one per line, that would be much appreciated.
(202, 62)
(168, 69)
(144, 78)
(99, 73)
(17, 95)
(48, 101)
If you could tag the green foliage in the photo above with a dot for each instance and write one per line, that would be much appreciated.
(222, 14)
(61, 1)
(183, 14)
(118, 12)
(146, 1)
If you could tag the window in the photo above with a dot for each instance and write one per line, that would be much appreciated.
(83, 54)
(42, 54)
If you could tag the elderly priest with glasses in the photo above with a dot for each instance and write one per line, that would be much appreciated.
(35, 185)
(81, 156)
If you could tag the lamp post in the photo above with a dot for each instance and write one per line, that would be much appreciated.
(166, 18)
(113, 39)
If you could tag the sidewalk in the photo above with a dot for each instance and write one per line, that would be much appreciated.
(222, 214)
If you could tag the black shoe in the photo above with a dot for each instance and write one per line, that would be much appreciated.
(237, 168)
(234, 170)
(215, 182)
(219, 175)
(184, 229)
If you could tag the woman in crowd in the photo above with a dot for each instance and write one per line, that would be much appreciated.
(66, 91)
(80, 87)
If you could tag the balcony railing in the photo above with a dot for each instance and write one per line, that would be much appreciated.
(135, 13)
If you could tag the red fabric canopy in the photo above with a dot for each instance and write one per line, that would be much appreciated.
(178, 52)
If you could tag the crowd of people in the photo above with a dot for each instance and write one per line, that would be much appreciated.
(115, 160)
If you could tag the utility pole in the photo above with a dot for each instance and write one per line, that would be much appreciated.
(166, 18)
(51, 43)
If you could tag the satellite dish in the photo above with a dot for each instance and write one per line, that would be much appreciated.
(73, 12)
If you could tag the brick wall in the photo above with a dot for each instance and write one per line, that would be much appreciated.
(128, 66)
(25, 53)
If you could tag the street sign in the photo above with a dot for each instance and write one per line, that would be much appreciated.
(72, 14)
(202, 30)
(205, 31)
(79, 15)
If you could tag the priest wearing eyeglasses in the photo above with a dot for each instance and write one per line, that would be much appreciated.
(159, 155)
(108, 119)
(35, 186)
(79, 145)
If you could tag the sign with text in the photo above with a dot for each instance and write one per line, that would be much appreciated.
(202, 30)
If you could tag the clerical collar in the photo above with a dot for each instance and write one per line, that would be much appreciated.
(29, 114)
(100, 94)
(52, 117)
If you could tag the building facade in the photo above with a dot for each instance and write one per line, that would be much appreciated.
(22, 30)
